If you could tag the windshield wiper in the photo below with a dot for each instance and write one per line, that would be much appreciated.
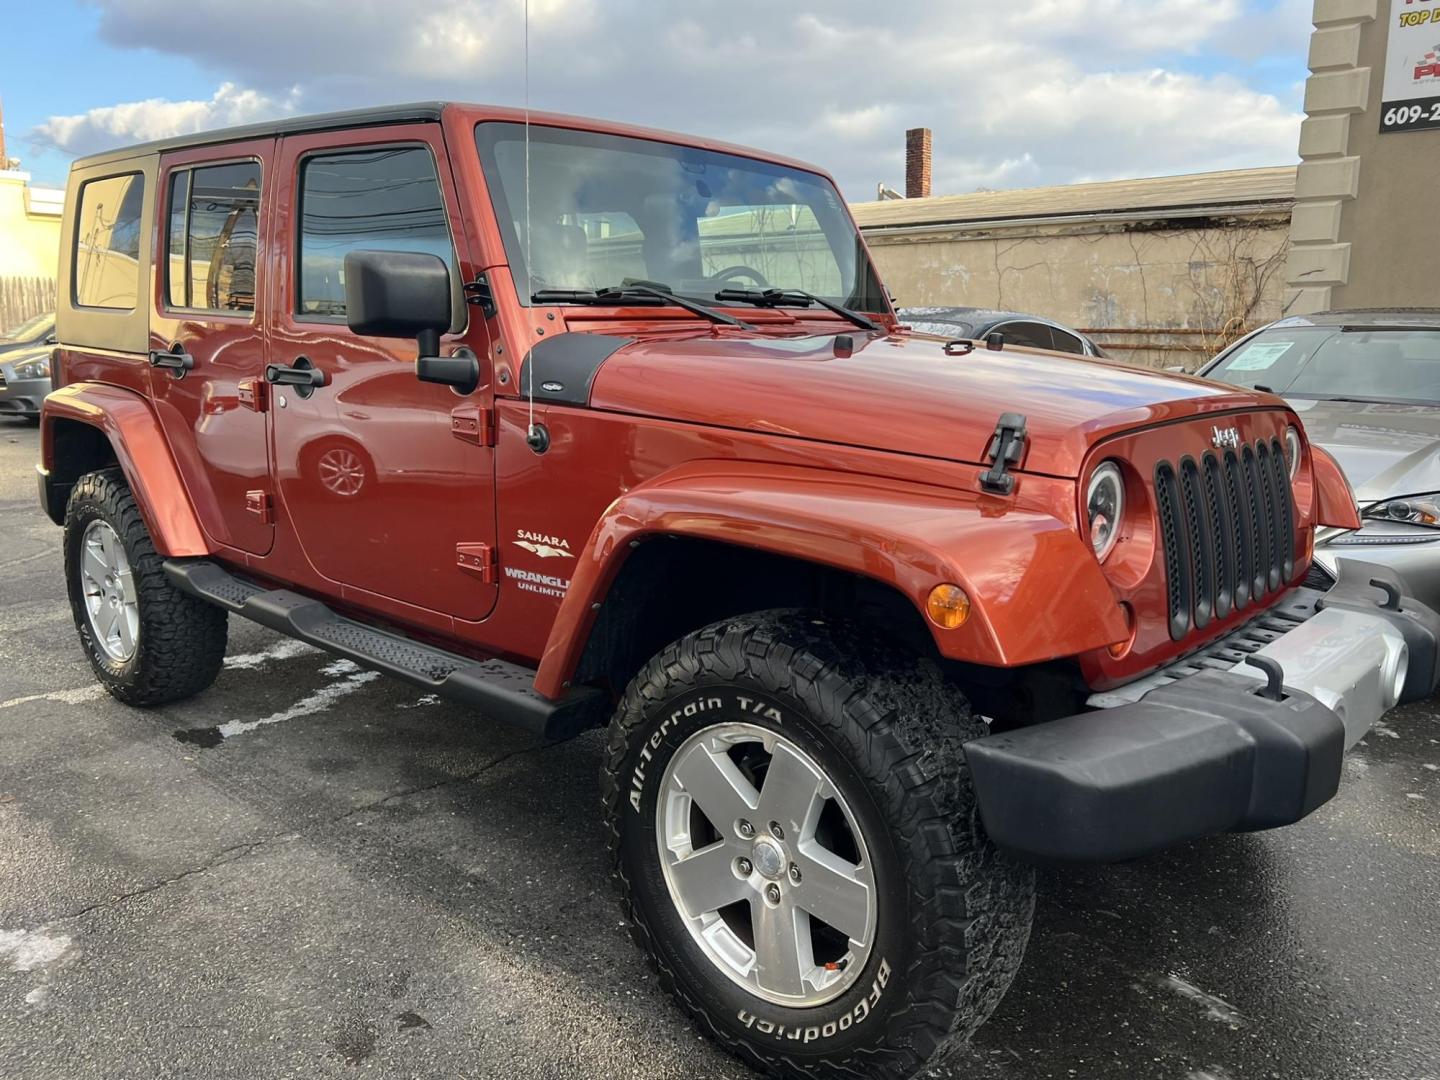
(614, 294)
(795, 298)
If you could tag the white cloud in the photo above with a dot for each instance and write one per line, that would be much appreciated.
(156, 118)
(1041, 92)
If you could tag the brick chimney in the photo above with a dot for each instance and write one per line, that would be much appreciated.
(917, 163)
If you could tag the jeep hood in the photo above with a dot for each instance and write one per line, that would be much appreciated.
(899, 393)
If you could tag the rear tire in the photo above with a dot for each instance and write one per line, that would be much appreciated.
(936, 934)
(148, 643)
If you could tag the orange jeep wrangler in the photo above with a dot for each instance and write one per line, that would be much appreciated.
(579, 424)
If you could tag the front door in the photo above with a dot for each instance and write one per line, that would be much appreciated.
(207, 334)
(389, 491)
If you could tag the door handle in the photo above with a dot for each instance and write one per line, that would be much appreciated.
(174, 359)
(303, 375)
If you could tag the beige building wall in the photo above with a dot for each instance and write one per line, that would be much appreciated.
(29, 246)
(29, 227)
(1153, 294)
(1366, 228)
(1163, 271)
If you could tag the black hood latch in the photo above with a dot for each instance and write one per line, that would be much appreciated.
(1007, 447)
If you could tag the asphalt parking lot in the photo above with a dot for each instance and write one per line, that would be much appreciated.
(352, 879)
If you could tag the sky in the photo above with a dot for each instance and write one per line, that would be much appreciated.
(1019, 93)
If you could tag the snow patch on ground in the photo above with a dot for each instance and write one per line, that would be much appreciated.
(281, 650)
(77, 696)
(350, 678)
(27, 950)
(1217, 1009)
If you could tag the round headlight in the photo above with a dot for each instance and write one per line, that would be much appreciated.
(1292, 450)
(1104, 507)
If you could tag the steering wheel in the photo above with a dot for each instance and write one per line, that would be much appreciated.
(739, 270)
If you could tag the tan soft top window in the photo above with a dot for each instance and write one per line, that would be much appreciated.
(107, 243)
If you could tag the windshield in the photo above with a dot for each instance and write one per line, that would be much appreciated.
(28, 329)
(606, 210)
(1328, 362)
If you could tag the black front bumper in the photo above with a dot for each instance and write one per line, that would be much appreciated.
(1209, 747)
(1207, 754)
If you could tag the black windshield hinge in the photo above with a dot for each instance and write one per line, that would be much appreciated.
(478, 292)
(1007, 447)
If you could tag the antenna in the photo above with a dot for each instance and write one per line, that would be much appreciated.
(530, 434)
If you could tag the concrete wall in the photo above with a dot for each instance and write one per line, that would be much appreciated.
(1366, 229)
(1179, 290)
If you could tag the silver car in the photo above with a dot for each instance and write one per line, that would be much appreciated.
(1367, 386)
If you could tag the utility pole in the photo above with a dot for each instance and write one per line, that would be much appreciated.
(5, 162)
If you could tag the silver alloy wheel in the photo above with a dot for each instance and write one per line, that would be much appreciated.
(773, 855)
(108, 585)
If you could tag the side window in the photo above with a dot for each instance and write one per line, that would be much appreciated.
(213, 237)
(1067, 342)
(1027, 335)
(107, 243)
(387, 198)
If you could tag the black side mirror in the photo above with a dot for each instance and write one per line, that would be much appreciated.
(407, 294)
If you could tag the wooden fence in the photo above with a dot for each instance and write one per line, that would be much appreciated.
(22, 297)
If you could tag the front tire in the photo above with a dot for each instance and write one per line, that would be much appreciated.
(784, 769)
(148, 642)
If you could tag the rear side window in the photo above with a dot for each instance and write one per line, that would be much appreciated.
(1027, 335)
(107, 243)
(385, 199)
(1067, 342)
(213, 237)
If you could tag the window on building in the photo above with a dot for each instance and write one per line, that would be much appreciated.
(213, 237)
(107, 243)
(386, 199)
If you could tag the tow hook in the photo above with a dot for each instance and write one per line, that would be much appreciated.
(1007, 447)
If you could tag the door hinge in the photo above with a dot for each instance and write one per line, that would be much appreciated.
(260, 504)
(254, 394)
(481, 560)
(478, 292)
(473, 424)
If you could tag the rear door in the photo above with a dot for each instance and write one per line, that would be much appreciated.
(207, 334)
(388, 481)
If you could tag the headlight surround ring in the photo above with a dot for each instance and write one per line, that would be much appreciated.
(1105, 508)
(1292, 450)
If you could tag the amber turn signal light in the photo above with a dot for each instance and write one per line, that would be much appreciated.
(1119, 649)
(948, 606)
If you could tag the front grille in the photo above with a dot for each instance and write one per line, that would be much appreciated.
(1227, 532)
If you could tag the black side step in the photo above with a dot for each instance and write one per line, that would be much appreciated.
(500, 690)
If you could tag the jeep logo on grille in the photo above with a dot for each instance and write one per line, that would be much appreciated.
(1225, 438)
